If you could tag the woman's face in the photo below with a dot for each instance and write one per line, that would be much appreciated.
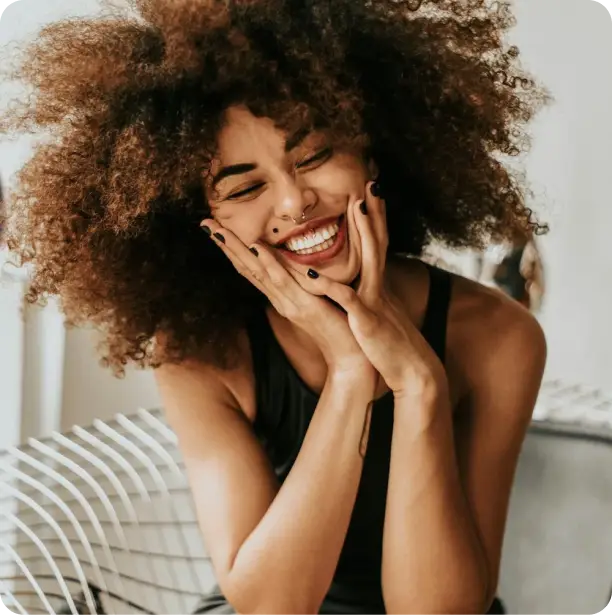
(262, 178)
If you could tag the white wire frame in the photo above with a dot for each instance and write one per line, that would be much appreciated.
(102, 521)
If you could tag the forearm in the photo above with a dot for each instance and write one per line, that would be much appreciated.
(288, 562)
(433, 559)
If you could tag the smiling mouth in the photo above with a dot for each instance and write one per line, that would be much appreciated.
(332, 247)
(327, 232)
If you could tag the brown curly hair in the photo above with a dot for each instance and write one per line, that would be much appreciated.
(108, 208)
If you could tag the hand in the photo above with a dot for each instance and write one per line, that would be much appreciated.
(392, 343)
(298, 298)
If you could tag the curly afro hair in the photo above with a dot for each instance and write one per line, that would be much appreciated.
(107, 210)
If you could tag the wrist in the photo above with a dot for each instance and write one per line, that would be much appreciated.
(423, 384)
(422, 402)
(356, 376)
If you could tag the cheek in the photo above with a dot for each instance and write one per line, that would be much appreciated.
(246, 224)
(354, 237)
(344, 175)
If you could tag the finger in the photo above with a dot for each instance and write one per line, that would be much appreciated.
(305, 293)
(376, 203)
(284, 288)
(243, 260)
(370, 282)
(363, 321)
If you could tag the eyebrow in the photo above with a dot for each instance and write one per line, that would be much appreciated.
(246, 167)
(293, 141)
(233, 169)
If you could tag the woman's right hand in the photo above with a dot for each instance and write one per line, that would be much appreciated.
(301, 300)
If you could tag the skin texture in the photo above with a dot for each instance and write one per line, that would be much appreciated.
(108, 210)
(285, 185)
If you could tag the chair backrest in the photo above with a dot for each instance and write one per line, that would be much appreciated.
(101, 520)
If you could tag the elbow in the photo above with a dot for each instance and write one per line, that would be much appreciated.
(274, 596)
(490, 594)
(461, 605)
(469, 598)
(434, 607)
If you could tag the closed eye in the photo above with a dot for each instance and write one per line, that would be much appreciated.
(322, 156)
(245, 192)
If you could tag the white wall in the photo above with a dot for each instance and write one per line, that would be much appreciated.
(92, 392)
(59, 381)
(11, 359)
(567, 43)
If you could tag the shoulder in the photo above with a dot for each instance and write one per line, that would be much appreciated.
(489, 324)
(495, 345)
(193, 379)
(492, 340)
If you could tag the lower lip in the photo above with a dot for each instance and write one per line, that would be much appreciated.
(325, 255)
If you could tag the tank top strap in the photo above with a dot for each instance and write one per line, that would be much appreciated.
(436, 316)
(261, 341)
(259, 333)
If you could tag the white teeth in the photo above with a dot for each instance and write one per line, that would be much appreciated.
(319, 248)
(322, 235)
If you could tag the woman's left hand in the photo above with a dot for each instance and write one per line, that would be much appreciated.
(379, 322)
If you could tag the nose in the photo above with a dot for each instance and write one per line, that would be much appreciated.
(294, 199)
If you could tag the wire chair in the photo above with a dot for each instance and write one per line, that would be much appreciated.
(100, 520)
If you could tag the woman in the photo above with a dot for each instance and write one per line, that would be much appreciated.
(350, 419)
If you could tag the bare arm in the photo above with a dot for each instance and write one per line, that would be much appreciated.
(449, 489)
(274, 549)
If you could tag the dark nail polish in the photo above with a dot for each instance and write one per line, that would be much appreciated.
(254, 250)
(313, 274)
(220, 237)
(363, 208)
(207, 230)
(375, 189)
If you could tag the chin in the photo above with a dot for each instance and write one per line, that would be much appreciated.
(347, 280)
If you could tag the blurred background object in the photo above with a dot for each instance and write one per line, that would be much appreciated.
(2, 215)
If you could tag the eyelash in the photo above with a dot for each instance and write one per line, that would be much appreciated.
(324, 155)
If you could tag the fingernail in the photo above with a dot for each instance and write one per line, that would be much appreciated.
(313, 274)
(206, 229)
(363, 208)
(220, 237)
(375, 189)
(254, 250)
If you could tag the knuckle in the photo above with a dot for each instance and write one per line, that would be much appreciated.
(243, 271)
(279, 280)
(292, 313)
(256, 272)
(349, 295)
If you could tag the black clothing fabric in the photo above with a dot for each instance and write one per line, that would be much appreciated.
(285, 406)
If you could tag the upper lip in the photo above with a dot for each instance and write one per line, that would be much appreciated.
(309, 226)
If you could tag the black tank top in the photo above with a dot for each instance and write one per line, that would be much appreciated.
(285, 406)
